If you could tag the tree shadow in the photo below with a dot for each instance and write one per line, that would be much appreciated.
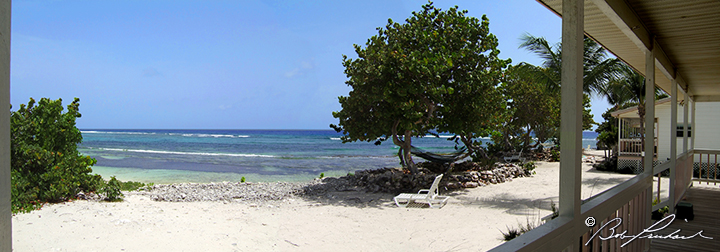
(359, 199)
(509, 203)
(605, 181)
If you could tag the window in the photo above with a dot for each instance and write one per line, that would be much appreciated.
(681, 128)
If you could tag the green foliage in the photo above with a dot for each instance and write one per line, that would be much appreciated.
(485, 163)
(554, 155)
(112, 190)
(45, 163)
(609, 164)
(587, 117)
(437, 71)
(515, 232)
(512, 233)
(608, 131)
(532, 107)
(322, 175)
(533, 91)
(529, 166)
(132, 185)
(554, 209)
(242, 180)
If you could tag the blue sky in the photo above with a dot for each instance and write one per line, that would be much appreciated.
(219, 64)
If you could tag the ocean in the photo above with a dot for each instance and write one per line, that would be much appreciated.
(202, 156)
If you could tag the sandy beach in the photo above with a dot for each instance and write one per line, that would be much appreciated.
(339, 221)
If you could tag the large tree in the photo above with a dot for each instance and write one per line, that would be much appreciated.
(543, 82)
(532, 107)
(438, 71)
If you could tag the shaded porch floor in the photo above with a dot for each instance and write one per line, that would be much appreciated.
(706, 207)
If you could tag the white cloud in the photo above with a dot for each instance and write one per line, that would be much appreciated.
(292, 73)
(304, 66)
(150, 72)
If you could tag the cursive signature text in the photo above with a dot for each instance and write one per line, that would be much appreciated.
(647, 233)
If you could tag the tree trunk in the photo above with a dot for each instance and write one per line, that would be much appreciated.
(472, 148)
(408, 156)
(526, 143)
(405, 145)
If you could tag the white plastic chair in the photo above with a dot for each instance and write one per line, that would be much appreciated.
(514, 157)
(430, 196)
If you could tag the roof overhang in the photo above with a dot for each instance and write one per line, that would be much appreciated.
(634, 109)
(684, 36)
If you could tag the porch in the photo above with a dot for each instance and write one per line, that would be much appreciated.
(665, 47)
(704, 197)
(630, 144)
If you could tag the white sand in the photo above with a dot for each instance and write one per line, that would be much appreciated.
(471, 221)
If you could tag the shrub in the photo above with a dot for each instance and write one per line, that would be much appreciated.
(511, 234)
(45, 163)
(112, 190)
(131, 185)
(242, 180)
(554, 209)
(609, 164)
(515, 232)
(529, 167)
(487, 163)
(554, 155)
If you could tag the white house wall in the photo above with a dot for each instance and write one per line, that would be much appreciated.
(707, 115)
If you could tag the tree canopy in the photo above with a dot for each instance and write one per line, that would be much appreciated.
(438, 71)
(46, 166)
(533, 91)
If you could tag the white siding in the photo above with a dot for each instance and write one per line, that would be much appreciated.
(707, 115)
(662, 113)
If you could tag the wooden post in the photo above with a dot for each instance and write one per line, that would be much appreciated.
(5, 205)
(673, 144)
(649, 131)
(571, 111)
(692, 126)
(686, 100)
(571, 108)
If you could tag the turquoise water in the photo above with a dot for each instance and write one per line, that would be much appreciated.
(168, 156)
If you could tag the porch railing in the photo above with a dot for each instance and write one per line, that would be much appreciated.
(706, 166)
(627, 201)
(632, 146)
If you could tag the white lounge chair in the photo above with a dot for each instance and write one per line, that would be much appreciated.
(429, 196)
(514, 157)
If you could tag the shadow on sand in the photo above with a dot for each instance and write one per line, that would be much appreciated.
(328, 194)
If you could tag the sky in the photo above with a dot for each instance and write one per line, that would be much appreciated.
(220, 64)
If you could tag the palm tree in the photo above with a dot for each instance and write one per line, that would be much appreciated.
(597, 67)
(627, 89)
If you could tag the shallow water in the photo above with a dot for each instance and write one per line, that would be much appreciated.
(170, 156)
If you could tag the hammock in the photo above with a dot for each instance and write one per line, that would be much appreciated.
(437, 158)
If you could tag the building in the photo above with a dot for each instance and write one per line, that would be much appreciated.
(629, 138)
(674, 45)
